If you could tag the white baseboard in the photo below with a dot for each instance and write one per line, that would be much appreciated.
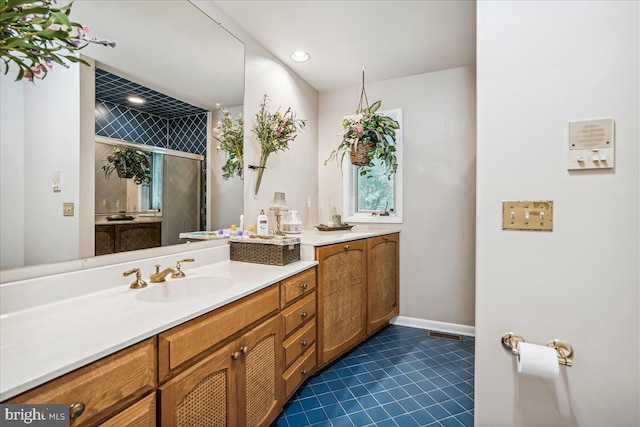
(434, 325)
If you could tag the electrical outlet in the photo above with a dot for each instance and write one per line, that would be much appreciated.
(67, 209)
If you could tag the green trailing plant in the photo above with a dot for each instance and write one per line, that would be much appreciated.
(129, 162)
(230, 136)
(274, 131)
(36, 34)
(369, 128)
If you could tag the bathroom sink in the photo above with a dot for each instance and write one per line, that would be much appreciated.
(184, 289)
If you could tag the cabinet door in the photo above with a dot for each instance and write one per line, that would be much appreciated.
(382, 280)
(260, 374)
(341, 294)
(203, 395)
(140, 414)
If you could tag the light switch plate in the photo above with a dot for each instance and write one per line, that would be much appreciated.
(67, 209)
(528, 215)
(591, 145)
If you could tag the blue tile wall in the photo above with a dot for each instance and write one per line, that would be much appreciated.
(158, 123)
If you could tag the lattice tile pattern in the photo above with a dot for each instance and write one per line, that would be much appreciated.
(399, 378)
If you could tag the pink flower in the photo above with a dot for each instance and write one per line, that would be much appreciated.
(358, 128)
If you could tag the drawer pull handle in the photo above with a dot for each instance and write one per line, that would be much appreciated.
(76, 409)
(346, 247)
(303, 314)
(304, 286)
(304, 372)
(244, 349)
(235, 356)
(303, 343)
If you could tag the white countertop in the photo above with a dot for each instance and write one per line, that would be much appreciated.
(322, 238)
(40, 343)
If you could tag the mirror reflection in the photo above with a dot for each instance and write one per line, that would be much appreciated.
(166, 47)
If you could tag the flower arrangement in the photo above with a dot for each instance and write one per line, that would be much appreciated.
(274, 131)
(374, 133)
(129, 162)
(230, 136)
(35, 34)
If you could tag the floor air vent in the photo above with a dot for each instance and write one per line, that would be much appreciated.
(444, 336)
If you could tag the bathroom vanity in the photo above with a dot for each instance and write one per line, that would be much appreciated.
(122, 236)
(177, 353)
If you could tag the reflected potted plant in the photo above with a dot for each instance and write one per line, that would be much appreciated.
(369, 138)
(35, 34)
(129, 162)
(230, 137)
(274, 131)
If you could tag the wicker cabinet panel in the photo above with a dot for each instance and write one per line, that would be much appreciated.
(205, 394)
(341, 293)
(105, 387)
(131, 237)
(105, 239)
(382, 280)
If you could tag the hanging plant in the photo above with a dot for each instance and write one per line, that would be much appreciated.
(35, 34)
(274, 131)
(369, 138)
(129, 162)
(230, 136)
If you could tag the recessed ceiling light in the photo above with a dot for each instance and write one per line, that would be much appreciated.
(300, 56)
(135, 100)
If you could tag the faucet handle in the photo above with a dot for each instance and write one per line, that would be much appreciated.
(179, 273)
(138, 283)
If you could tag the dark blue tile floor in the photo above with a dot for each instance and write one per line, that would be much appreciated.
(398, 377)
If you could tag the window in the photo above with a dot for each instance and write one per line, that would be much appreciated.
(376, 199)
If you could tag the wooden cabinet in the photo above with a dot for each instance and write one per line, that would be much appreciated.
(140, 414)
(358, 292)
(104, 388)
(298, 308)
(382, 280)
(237, 385)
(342, 291)
(113, 238)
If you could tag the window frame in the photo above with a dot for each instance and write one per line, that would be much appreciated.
(350, 177)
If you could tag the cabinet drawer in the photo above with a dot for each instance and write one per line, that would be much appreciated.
(184, 342)
(299, 371)
(299, 342)
(140, 414)
(104, 387)
(297, 286)
(299, 313)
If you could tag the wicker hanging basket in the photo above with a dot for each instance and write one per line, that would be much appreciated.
(360, 151)
(360, 154)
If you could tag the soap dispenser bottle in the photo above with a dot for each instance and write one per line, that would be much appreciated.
(263, 224)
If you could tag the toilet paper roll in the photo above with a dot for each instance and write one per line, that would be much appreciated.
(538, 360)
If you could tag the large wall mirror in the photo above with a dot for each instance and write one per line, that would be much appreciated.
(166, 47)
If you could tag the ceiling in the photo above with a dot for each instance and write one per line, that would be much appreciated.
(389, 39)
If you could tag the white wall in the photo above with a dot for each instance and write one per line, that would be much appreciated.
(437, 246)
(540, 65)
(45, 140)
(293, 171)
(11, 171)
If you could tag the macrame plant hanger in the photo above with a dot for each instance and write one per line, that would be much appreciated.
(360, 150)
(363, 97)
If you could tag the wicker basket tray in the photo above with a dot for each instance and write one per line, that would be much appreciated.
(265, 251)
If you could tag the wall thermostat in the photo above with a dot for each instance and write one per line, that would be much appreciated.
(591, 144)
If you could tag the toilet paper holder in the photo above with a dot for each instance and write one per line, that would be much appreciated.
(511, 340)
